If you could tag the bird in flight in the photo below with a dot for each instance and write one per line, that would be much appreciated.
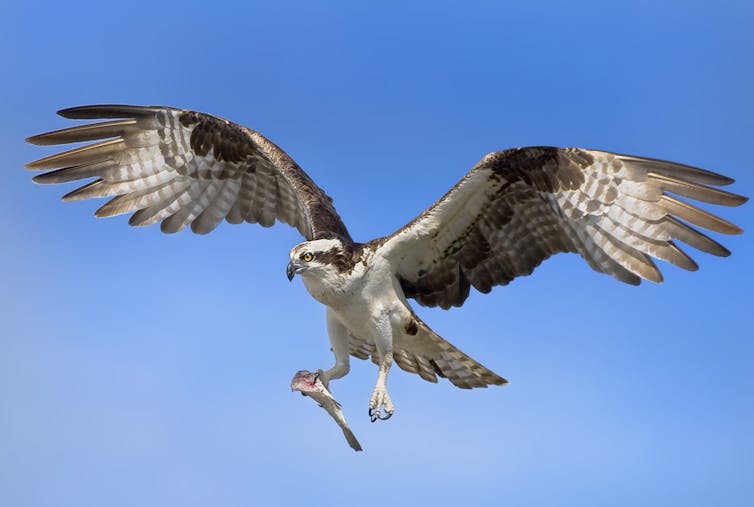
(513, 210)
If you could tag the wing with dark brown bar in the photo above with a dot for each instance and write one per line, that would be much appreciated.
(518, 207)
(183, 168)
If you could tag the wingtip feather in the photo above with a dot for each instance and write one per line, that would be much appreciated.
(93, 112)
(36, 140)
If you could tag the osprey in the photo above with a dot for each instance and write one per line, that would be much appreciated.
(513, 210)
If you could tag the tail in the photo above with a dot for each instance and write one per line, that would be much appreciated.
(427, 354)
(420, 350)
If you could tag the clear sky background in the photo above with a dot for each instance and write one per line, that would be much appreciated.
(151, 370)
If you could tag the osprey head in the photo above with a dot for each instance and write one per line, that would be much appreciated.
(321, 256)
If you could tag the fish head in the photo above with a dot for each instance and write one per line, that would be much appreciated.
(304, 381)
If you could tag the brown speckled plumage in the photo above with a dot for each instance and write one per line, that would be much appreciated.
(185, 168)
(518, 207)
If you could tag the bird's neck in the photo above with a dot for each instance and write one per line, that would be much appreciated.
(330, 289)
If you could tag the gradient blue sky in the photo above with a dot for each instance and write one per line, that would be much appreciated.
(151, 370)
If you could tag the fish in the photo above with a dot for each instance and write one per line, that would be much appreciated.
(311, 385)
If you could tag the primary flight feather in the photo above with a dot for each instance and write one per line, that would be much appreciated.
(513, 210)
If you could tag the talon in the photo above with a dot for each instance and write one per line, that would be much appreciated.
(380, 406)
(374, 415)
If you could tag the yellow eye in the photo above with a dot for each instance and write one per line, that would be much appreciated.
(307, 257)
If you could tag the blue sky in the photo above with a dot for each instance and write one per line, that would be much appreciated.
(144, 369)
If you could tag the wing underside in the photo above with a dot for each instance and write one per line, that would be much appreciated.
(518, 207)
(182, 168)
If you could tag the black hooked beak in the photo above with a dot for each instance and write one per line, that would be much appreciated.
(292, 270)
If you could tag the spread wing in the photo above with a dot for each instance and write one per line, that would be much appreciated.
(518, 207)
(184, 168)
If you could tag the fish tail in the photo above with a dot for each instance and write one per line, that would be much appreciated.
(351, 439)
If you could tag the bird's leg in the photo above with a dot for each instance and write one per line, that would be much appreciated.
(380, 398)
(339, 344)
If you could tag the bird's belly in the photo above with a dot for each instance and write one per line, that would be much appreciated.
(363, 315)
(359, 320)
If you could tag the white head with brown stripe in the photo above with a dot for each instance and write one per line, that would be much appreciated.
(322, 264)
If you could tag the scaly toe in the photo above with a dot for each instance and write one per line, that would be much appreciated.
(380, 403)
(388, 404)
